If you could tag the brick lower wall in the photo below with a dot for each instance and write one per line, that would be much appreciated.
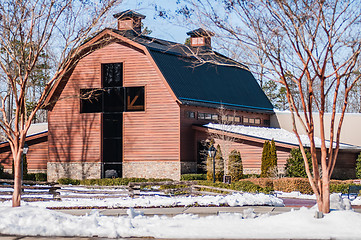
(73, 170)
(148, 169)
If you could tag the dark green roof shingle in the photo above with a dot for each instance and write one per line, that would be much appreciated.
(210, 83)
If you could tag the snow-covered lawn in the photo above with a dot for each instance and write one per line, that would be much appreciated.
(33, 218)
(233, 200)
(28, 220)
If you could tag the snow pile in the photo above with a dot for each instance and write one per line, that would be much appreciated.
(339, 203)
(295, 194)
(28, 220)
(246, 199)
(278, 134)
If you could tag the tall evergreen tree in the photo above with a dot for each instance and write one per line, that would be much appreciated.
(235, 165)
(273, 159)
(265, 159)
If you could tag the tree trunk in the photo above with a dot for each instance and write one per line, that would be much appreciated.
(325, 194)
(17, 180)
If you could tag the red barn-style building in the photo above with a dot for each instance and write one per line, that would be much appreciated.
(128, 108)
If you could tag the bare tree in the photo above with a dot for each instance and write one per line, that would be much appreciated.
(27, 28)
(226, 118)
(314, 45)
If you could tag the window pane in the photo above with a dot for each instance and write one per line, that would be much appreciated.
(214, 117)
(112, 74)
(230, 118)
(135, 98)
(237, 119)
(112, 150)
(201, 116)
(208, 116)
(190, 114)
(90, 100)
(114, 99)
(257, 121)
(245, 119)
(251, 120)
(112, 125)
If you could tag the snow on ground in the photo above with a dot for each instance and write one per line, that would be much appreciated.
(28, 220)
(246, 199)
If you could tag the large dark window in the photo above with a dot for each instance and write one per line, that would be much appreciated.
(112, 100)
(112, 74)
(135, 98)
(91, 100)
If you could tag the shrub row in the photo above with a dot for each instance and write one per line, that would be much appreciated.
(108, 181)
(301, 185)
(38, 177)
(192, 177)
(244, 186)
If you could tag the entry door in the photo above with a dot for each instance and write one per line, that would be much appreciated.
(112, 144)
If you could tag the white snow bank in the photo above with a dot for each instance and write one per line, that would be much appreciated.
(28, 220)
(246, 199)
(295, 194)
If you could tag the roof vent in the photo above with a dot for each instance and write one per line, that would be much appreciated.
(129, 20)
(200, 38)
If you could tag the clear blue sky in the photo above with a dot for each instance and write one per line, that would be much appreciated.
(161, 28)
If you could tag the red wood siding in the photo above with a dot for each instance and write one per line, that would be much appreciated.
(36, 157)
(188, 143)
(250, 148)
(149, 135)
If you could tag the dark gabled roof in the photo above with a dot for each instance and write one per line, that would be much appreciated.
(211, 83)
(197, 75)
(200, 76)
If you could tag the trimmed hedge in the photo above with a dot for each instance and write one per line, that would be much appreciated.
(109, 181)
(38, 177)
(262, 182)
(244, 186)
(292, 184)
(191, 177)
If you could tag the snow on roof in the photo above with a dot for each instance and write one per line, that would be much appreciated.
(278, 134)
(36, 128)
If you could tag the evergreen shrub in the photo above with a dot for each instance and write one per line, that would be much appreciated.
(295, 165)
(68, 181)
(191, 177)
(269, 159)
(235, 166)
(262, 182)
(358, 166)
(38, 177)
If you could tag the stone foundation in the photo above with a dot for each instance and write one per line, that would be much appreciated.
(58, 170)
(150, 169)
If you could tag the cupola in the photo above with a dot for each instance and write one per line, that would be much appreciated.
(200, 38)
(129, 20)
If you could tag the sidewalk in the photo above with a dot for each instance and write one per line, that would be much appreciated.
(201, 211)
